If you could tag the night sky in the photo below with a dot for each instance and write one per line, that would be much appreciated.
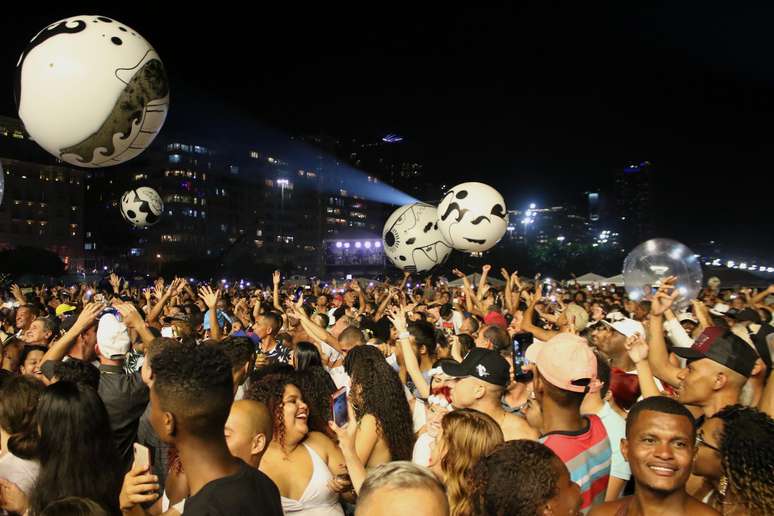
(538, 100)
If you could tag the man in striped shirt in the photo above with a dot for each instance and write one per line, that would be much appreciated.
(565, 370)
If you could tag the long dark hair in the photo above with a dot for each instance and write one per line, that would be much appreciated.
(307, 356)
(381, 395)
(78, 456)
(317, 386)
(18, 402)
(270, 389)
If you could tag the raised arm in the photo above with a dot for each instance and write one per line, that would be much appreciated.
(526, 323)
(658, 355)
(159, 307)
(383, 305)
(482, 282)
(507, 292)
(406, 276)
(398, 319)
(360, 295)
(276, 277)
(313, 329)
(132, 319)
(761, 296)
(59, 349)
(637, 349)
(210, 299)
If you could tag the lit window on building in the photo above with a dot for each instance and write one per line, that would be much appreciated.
(175, 158)
(254, 155)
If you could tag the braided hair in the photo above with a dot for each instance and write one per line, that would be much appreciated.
(747, 448)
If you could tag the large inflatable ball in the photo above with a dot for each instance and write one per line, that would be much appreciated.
(412, 240)
(472, 217)
(91, 91)
(142, 206)
(657, 259)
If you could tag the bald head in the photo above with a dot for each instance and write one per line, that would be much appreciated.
(248, 430)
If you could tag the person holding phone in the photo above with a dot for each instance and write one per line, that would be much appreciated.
(305, 465)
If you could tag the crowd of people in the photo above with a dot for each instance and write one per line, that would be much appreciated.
(530, 398)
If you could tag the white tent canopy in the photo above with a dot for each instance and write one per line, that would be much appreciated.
(591, 278)
(618, 281)
(474, 279)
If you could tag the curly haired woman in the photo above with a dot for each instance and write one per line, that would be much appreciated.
(385, 429)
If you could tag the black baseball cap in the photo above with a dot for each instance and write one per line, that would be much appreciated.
(485, 364)
(761, 341)
(747, 314)
(724, 347)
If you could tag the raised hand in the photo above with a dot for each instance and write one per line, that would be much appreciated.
(516, 281)
(130, 315)
(88, 315)
(486, 268)
(209, 296)
(115, 282)
(504, 272)
(159, 286)
(397, 316)
(17, 293)
(637, 348)
(663, 299)
(458, 273)
(276, 277)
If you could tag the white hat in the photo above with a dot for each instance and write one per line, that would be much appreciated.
(687, 317)
(112, 338)
(720, 309)
(615, 316)
(628, 327)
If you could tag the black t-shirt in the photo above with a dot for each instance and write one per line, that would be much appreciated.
(249, 492)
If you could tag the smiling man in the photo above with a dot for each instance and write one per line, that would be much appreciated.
(660, 447)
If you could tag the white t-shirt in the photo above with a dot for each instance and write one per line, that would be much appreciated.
(616, 430)
(453, 325)
(423, 447)
(21, 472)
(340, 377)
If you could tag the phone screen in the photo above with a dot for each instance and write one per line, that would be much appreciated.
(349, 276)
(339, 407)
(141, 455)
(521, 341)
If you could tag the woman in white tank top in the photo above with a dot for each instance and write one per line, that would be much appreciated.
(303, 464)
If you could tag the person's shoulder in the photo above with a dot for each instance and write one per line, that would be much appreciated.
(607, 508)
(696, 508)
(320, 442)
(516, 427)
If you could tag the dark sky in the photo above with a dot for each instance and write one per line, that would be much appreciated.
(538, 100)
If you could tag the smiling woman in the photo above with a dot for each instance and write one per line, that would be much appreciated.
(300, 462)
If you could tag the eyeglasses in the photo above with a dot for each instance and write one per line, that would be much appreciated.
(700, 441)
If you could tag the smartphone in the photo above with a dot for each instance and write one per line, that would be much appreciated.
(141, 456)
(339, 409)
(168, 332)
(521, 341)
(349, 276)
